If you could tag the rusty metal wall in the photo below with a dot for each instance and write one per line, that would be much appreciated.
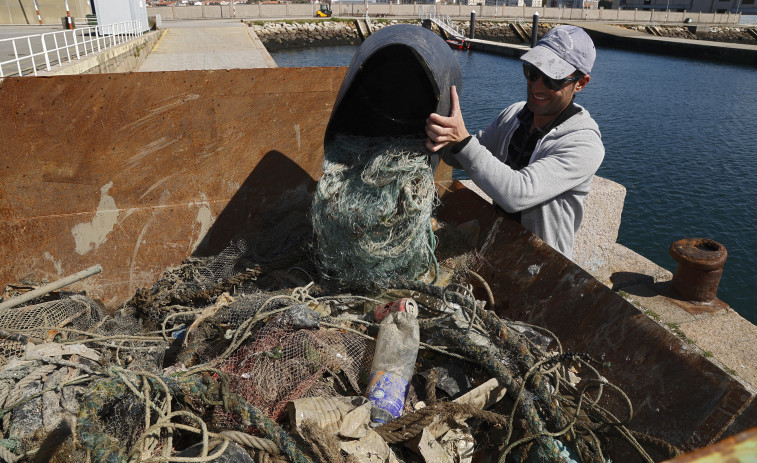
(138, 171)
(677, 393)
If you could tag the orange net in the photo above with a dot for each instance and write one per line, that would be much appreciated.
(283, 363)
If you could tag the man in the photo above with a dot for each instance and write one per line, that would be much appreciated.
(537, 159)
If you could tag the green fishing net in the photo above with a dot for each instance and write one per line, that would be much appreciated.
(372, 209)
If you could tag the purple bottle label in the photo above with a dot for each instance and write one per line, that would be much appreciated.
(387, 391)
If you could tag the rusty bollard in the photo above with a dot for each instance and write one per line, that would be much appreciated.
(700, 266)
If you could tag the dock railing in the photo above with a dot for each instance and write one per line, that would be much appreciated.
(33, 53)
(444, 22)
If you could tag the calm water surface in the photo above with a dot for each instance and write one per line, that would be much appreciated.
(679, 134)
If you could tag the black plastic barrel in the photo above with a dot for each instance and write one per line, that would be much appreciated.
(399, 75)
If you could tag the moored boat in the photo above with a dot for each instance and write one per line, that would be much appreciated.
(458, 44)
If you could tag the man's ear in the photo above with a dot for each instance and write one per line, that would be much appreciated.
(582, 82)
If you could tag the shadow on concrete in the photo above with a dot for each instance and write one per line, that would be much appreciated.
(624, 280)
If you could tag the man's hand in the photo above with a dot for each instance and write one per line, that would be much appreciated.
(443, 131)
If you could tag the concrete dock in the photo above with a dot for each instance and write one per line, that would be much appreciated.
(201, 45)
(620, 37)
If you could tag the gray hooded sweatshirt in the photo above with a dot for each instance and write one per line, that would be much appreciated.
(548, 192)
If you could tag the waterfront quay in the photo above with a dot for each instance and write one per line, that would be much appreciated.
(459, 11)
(614, 36)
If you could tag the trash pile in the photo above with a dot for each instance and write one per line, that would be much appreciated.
(256, 355)
(199, 368)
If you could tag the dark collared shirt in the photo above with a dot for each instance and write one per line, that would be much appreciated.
(523, 142)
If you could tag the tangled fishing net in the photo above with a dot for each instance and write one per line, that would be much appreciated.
(372, 209)
(285, 361)
(40, 320)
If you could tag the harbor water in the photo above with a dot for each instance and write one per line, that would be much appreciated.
(679, 135)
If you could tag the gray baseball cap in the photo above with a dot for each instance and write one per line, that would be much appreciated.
(562, 51)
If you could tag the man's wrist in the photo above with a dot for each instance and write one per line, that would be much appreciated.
(457, 147)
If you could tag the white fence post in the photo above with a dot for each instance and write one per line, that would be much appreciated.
(44, 50)
(18, 62)
(34, 65)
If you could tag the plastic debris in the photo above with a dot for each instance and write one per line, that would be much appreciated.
(406, 304)
(431, 450)
(345, 416)
(232, 453)
(460, 444)
(393, 366)
(450, 378)
(371, 448)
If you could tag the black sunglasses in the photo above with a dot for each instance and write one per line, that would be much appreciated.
(533, 73)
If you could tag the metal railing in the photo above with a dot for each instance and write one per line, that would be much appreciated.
(33, 53)
(444, 22)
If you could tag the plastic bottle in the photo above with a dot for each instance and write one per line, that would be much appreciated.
(406, 304)
(392, 367)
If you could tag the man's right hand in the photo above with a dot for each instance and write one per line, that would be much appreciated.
(443, 131)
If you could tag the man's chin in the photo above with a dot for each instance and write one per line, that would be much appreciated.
(534, 107)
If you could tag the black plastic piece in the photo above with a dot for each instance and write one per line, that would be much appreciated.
(399, 75)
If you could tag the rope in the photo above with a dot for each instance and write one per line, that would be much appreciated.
(670, 450)
(8, 456)
(5, 389)
(273, 431)
(267, 458)
(68, 363)
(431, 380)
(166, 423)
(242, 438)
(412, 424)
(486, 286)
(18, 391)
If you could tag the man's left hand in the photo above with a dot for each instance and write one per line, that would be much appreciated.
(443, 131)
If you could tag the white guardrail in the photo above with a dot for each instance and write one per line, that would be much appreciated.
(43, 51)
(445, 22)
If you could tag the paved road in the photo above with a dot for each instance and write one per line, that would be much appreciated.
(203, 44)
(22, 47)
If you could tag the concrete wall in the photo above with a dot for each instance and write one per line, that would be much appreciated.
(457, 11)
(51, 11)
(23, 12)
(693, 6)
